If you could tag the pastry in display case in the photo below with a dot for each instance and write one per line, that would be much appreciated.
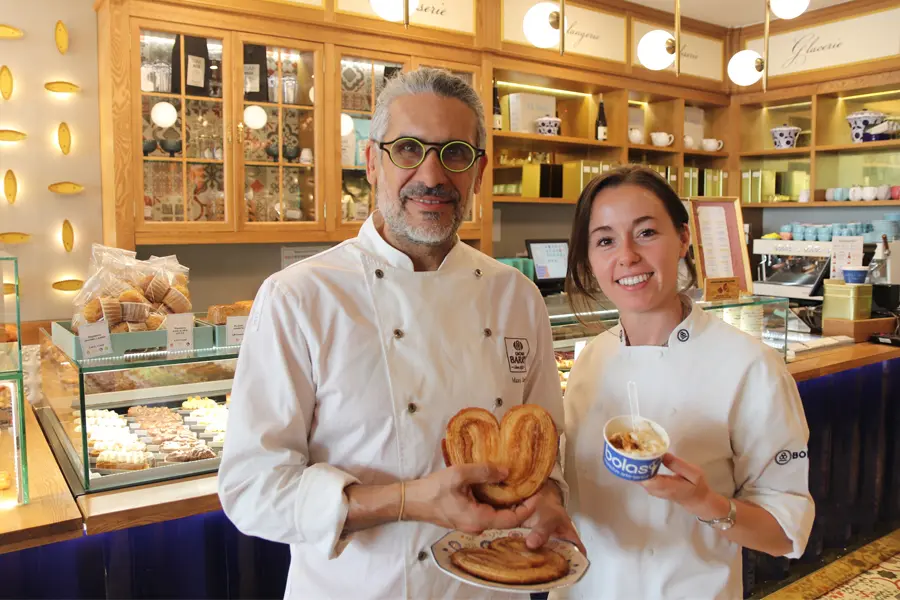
(13, 461)
(119, 421)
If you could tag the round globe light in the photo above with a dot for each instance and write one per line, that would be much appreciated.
(537, 28)
(788, 9)
(392, 10)
(255, 117)
(346, 124)
(742, 68)
(652, 51)
(163, 114)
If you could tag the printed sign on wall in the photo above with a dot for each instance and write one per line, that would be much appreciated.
(854, 40)
(588, 32)
(452, 15)
(701, 56)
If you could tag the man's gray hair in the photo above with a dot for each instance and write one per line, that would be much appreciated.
(426, 80)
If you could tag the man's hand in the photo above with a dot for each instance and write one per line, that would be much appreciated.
(688, 488)
(445, 498)
(549, 518)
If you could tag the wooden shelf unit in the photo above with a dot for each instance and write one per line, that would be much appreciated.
(872, 204)
(504, 199)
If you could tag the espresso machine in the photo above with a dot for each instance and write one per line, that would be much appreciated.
(791, 269)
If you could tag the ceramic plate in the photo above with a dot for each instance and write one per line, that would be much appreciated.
(456, 540)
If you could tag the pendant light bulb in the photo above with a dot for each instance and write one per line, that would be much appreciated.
(745, 68)
(656, 50)
(163, 114)
(788, 9)
(392, 10)
(255, 117)
(541, 25)
(346, 124)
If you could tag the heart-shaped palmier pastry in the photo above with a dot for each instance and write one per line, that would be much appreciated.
(508, 560)
(525, 443)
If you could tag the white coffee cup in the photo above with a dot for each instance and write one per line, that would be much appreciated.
(712, 144)
(661, 138)
(870, 192)
(306, 156)
(804, 196)
(635, 136)
(689, 142)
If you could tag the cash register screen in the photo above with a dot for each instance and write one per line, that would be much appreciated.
(550, 259)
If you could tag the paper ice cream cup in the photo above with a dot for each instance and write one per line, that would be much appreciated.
(629, 466)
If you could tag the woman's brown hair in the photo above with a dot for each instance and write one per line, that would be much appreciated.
(581, 285)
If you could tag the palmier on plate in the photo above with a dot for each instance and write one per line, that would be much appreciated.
(525, 442)
(508, 560)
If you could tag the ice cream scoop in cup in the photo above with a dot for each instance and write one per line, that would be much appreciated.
(634, 454)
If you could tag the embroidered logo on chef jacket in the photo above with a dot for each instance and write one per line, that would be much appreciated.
(683, 335)
(517, 350)
(786, 456)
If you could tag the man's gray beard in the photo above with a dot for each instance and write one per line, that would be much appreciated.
(428, 234)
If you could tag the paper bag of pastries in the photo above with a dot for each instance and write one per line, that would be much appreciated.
(131, 295)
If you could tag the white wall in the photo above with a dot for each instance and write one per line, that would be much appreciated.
(37, 161)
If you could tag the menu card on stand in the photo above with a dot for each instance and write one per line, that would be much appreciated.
(846, 251)
(234, 330)
(719, 245)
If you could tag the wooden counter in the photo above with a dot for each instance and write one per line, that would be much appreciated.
(152, 503)
(828, 362)
(52, 514)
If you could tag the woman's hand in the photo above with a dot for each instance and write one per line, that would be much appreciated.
(688, 488)
(549, 518)
(445, 498)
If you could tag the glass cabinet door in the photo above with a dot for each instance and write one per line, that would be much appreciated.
(184, 115)
(471, 75)
(279, 134)
(362, 77)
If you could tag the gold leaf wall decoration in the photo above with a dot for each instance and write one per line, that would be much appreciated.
(61, 35)
(8, 32)
(68, 236)
(6, 82)
(11, 135)
(14, 237)
(62, 87)
(64, 137)
(65, 187)
(10, 186)
(68, 285)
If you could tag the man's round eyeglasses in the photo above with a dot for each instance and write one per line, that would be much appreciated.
(408, 153)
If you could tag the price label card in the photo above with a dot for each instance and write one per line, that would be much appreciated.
(94, 339)
(196, 71)
(180, 331)
(234, 330)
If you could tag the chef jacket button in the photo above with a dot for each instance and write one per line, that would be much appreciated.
(379, 274)
(421, 556)
(412, 408)
(478, 273)
(398, 333)
(488, 332)
(683, 335)
(650, 552)
(499, 402)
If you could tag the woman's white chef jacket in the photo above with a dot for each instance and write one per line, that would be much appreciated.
(730, 407)
(351, 366)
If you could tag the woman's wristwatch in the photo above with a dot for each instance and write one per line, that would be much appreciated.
(724, 523)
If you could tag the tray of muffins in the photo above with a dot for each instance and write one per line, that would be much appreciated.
(144, 437)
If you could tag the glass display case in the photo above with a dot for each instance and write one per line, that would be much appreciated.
(119, 421)
(762, 317)
(13, 461)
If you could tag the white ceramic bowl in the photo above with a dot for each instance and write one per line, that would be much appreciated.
(548, 125)
(785, 136)
(862, 119)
